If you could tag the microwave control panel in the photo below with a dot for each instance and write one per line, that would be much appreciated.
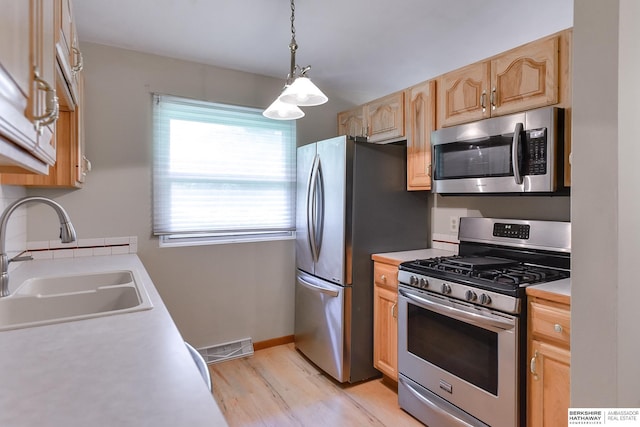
(535, 155)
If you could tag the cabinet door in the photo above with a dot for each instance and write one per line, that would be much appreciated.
(43, 105)
(385, 331)
(463, 95)
(351, 123)
(26, 37)
(525, 77)
(421, 115)
(385, 118)
(549, 385)
(68, 56)
(15, 73)
(14, 43)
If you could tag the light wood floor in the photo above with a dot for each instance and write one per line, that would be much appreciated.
(277, 386)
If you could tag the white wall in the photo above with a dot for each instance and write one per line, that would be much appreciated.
(214, 293)
(16, 238)
(443, 208)
(605, 348)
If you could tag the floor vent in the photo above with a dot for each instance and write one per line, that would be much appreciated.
(227, 351)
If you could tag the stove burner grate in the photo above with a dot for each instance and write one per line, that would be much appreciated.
(485, 269)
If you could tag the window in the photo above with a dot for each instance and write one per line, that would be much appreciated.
(221, 173)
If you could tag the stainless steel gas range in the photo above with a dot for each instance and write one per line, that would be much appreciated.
(462, 321)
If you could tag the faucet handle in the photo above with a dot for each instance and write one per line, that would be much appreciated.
(19, 258)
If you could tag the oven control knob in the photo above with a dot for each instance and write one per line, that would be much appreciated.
(413, 280)
(485, 299)
(470, 296)
(423, 283)
(446, 289)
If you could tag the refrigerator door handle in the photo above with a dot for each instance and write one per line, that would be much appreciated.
(318, 288)
(319, 219)
(311, 208)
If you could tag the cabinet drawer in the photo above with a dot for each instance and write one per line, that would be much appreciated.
(551, 322)
(385, 275)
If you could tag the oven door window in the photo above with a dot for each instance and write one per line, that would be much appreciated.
(464, 350)
(489, 157)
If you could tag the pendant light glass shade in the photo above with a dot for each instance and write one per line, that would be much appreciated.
(304, 93)
(298, 91)
(279, 110)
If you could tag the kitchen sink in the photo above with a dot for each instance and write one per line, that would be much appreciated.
(55, 299)
(77, 283)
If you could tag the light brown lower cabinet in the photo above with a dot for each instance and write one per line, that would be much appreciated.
(548, 382)
(385, 319)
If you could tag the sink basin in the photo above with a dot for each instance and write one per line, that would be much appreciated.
(77, 283)
(46, 300)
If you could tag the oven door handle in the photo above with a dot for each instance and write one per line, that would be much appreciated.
(476, 319)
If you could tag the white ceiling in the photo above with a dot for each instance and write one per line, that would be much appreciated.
(360, 49)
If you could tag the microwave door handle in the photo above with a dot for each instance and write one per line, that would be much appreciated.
(515, 145)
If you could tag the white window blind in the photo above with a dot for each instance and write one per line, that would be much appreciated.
(221, 171)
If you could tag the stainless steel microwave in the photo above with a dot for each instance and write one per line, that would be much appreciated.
(517, 153)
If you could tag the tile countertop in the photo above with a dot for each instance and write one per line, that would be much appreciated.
(395, 258)
(129, 369)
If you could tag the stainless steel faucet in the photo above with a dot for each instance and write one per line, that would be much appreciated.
(67, 234)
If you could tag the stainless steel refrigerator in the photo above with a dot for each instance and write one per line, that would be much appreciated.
(351, 202)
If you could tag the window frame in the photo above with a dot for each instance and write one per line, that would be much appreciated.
(161, 144)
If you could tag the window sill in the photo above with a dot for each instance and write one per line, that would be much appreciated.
(172, 241)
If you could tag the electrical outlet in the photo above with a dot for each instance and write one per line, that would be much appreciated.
(454, 224)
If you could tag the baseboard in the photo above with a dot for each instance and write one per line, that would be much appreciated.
(261, 345)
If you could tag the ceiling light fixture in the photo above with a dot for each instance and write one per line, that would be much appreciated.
(298, 90)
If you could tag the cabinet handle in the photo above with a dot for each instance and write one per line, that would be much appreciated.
(51, 103)
(383, 278)
(78, 60)
(483, 101)
(394, 312)
(558, 328)
(86, 166)
(428, 169)
(493, 98)
(532, 365)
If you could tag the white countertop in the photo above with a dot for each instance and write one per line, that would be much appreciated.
(129, 369)
(403, 256)
(560, 287)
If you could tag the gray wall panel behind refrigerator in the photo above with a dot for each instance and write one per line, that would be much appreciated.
(385, 217)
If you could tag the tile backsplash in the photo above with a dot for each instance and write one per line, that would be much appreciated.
(54, 249)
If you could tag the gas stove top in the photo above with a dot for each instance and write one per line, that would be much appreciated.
(497, 260)
(486, 272)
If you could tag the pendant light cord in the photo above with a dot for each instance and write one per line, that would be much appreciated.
(293, 46)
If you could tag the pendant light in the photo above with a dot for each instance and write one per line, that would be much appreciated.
(299, 89)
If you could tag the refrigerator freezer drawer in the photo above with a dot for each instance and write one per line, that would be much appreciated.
(320, 324)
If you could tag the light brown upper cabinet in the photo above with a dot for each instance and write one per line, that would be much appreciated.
(421, 120)
(520, 79)
(72, 165)
(380, 120)
(385, 118)
(67, 163)
(28, 102)
(351, 122)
